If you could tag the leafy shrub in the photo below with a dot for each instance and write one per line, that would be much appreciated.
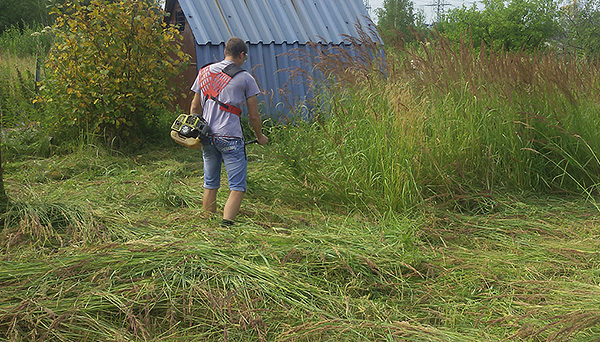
(109, 70)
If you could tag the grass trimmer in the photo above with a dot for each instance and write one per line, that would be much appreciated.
(188, 129)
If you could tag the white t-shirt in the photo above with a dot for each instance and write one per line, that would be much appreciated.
(241, 87)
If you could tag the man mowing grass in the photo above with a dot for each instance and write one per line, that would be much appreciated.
(220, 90)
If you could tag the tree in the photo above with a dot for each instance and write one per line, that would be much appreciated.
(580, 28)
(398, 20)
(110, 69)
(19, 13)
(511, 25)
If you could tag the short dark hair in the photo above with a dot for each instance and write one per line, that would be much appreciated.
(234, 46)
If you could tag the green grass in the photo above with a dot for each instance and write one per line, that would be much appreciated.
(453, 200)
(20, 50)
(105, 246)
(34, 40)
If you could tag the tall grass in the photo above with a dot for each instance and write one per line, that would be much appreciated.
(440, 123)
(17, 90)
(22, 54)
(34, 40)
(512, 120)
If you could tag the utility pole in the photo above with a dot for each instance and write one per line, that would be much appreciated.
(368, 6)
(439, 9)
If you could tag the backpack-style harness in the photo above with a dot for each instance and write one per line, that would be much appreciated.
(212, 83)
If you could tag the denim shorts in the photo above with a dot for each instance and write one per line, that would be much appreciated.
(218, 150)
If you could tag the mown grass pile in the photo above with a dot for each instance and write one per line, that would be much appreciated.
(415, 207)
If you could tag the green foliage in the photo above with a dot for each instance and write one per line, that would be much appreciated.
(31, 40)
(398, 21)
(512, 25)
(580, 28)
(109, 72)
(20, 13)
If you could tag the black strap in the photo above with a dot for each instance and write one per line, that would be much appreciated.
(226, 106)
(232, 70)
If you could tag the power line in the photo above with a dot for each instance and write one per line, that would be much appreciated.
(368, 6)
(439, 8)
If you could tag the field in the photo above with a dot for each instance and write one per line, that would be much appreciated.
(111, 247)
(458, 203)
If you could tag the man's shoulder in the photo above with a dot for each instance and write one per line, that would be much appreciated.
(232, 69)
(216, 66)
(228, 67)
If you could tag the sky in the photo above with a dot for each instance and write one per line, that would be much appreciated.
(426, 6)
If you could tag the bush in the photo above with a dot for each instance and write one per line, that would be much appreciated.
(510, 25)
(109, 71)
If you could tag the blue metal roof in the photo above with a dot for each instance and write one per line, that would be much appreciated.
(275, 21)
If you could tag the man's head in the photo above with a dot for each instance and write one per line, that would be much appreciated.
(236, 51)
(234, 47)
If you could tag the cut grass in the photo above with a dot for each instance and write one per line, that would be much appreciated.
(294, 268)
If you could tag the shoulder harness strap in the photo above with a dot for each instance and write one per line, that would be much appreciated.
(212, 83)
(232, 70)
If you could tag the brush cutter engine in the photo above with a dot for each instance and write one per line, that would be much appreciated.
(188, 130)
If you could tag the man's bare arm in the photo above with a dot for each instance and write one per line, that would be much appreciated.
(196, 106)
(254, 118)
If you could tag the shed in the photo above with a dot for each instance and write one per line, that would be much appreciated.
(272, 29)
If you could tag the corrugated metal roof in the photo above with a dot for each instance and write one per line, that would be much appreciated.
(275, 21)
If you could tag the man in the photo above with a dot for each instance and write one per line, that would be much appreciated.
(220, 108)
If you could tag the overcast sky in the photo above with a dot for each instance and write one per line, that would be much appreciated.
(426, 6)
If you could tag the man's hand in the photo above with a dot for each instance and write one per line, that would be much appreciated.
(262, 139)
